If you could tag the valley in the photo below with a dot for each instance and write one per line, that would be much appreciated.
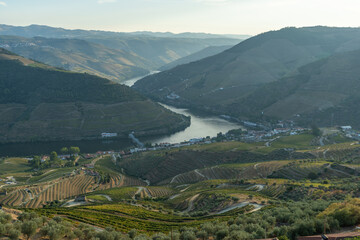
(277, 75)
(188, 136)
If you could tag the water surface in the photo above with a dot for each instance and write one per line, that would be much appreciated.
(201, 126)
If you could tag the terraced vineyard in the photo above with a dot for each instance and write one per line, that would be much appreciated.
(35, 196)
(273, 190)
(63, 188)
(125, 217)
(158, 192)
(228, 171)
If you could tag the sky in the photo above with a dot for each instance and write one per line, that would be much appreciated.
(210, 16)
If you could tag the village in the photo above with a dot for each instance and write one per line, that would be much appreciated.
(251, 132)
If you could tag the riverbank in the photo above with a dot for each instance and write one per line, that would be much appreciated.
(202, 126)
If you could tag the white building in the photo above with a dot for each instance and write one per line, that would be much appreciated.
(107, 135)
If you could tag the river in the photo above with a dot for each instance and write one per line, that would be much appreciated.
(132, 81)
(201, 126)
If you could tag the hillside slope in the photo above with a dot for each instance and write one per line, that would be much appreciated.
(79, 56)
(39, 103)
(207, 52)
(154, 49)
(326, 91)
(217, 83)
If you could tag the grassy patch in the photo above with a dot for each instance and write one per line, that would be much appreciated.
(118, 194)
(301, 141)
(9, 166)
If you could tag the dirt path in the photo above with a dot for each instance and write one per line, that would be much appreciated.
(93, 162)
(199, 173)
(240, 205)
(140, 189)
(258, 187)
(268, 143)
(76, 159)
(174, 196)
(191, 203)
(106, 196)
(173, 179)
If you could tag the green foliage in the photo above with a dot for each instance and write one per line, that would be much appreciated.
(64, 150)
(54, 157)
(315, 131)
(74, 150)
(36, 162)
(29, 228)
(346, 213)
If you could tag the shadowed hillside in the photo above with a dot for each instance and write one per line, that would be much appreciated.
(325, 92)
(218, 83)
(43, 103)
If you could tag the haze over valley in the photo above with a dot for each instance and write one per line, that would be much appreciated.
(179, 120)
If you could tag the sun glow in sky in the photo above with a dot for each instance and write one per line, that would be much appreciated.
(212, 16)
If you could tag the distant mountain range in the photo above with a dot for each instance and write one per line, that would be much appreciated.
(261, 74)
(41, 103)
(117, 56)
(80, 56)
(52, 32)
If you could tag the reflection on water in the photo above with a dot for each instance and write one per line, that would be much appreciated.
(200, 127)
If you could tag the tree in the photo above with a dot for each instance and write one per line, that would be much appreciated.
(221, 234)
(36, 162)
(312, 175)
(53, 157)
(14, 234)
(202, 234)
(64, 150)
(132, 233)
(187, 235)
(28, 228)
(74, 150)
(315, 131)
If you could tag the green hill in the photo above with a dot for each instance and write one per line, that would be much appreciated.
(325, 92)
(38, 102)
(218, 83)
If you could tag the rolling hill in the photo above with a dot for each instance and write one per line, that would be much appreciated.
(216, 84)
(42, 103)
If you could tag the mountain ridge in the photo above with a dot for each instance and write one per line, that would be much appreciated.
(218, 83)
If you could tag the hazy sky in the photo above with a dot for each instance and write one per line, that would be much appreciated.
(212, 16)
